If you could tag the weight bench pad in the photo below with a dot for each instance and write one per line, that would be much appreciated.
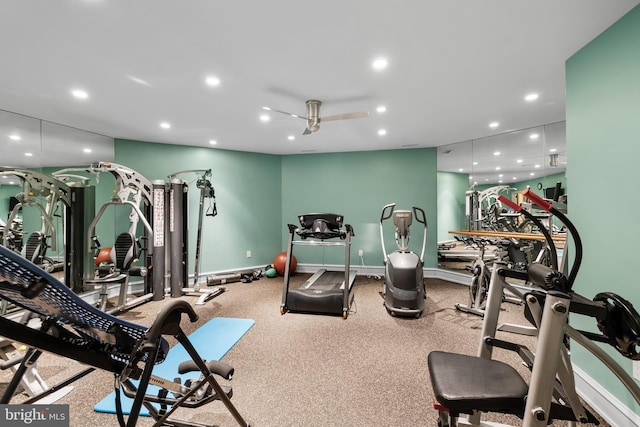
(464, 383)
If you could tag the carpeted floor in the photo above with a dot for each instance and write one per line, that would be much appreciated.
(313, 370)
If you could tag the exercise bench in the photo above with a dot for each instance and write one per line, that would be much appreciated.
(72, 328)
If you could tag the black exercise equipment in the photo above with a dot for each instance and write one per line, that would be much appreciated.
(325, 292)
(74, 329)
(178, 232)
(403, 290)
(52, 198)
(470, 385)
(125, 251)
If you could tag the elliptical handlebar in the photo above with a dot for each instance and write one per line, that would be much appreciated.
(387, 212)
(420, 216)
(390, 207)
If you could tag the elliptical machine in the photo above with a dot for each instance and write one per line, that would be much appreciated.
(403, 289)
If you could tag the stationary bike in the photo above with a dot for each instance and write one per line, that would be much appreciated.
(403, 289)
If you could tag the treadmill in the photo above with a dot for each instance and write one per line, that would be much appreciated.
(325, 292)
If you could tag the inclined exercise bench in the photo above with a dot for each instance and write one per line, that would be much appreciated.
(72, 328)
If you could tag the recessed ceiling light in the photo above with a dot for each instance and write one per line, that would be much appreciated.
(28, 154)
(86, 150)
(536, 166)
(165, 125)
(265, 118)
(519, 161)
(212, 81)
(381, 109)
(475, 163)
(531, 97)
(11, 182)
(514, 178)
(382, 132)
(532, 174)
(266, 108)
(494, 125)
(213, 142)
(553, 150)
(498, 168)
(500, 176)
(291, 137)
(380, 64)
(470, 177)
(15, 137)
(79, 94)
(460, 170)
(496, 153)
(534, 136)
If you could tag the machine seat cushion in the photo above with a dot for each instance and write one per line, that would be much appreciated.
(463, 383)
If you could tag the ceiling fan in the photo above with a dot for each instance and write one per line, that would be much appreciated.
(313, 116)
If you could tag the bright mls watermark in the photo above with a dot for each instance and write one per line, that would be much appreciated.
(34, 415)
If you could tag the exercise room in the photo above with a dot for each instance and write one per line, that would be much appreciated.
(343, 213)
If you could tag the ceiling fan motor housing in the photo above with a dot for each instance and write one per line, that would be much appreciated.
(313, 114)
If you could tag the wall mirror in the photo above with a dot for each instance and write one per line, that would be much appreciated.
(535, 157)
(30, 152)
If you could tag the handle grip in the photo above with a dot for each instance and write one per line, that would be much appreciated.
(543, 204)
(509, 203)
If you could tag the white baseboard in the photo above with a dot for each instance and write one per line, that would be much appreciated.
(450, 276)
(604, 403)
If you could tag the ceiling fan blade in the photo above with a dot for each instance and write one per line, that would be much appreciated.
(283, 112)
(345, 116)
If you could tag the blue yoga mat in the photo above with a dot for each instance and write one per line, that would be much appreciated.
(212, 340)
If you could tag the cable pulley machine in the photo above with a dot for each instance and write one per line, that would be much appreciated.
(178, 233)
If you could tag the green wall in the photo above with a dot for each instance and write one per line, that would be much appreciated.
(452, 215)
(603, 143)
(357, 185)
(258, 194)
(247, 188)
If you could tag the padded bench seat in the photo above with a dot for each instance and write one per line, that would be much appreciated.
(464, 383)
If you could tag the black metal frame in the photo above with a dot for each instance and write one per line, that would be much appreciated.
(74, 329)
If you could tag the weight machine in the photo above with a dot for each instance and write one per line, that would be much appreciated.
(137, 193)
(179, 230)
(48, 194)
(466, 386)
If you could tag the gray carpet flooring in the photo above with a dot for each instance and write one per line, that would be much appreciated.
(314, 370)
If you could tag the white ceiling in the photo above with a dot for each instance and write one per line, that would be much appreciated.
(454, 67)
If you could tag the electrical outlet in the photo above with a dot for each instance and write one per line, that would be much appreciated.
(636, 369)
(360, 252)
(248, 254)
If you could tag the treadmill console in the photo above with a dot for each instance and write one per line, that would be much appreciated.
(320, 226)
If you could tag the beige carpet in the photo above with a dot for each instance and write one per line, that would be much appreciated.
(313, 370)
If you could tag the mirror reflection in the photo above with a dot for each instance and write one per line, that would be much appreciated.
(472, 174)
(35, 206)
